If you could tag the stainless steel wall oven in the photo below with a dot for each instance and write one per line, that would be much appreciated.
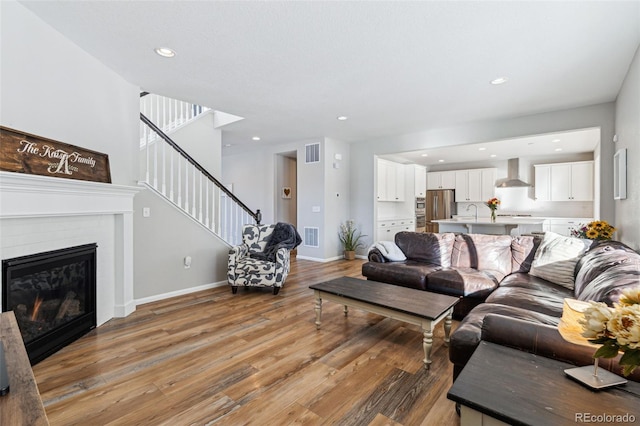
(421, 218)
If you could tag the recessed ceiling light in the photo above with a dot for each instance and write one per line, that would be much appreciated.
(424, 155)
(555, 140)
(227, 145)
(558, 149)
(482, 149)
(493, 156)
(440, 161)
(256, 138)
(342, 117)
(499, 80)
(165, 52)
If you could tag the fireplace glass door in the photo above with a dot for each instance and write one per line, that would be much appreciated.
(52, 295)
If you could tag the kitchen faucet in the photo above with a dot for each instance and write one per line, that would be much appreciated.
(469, 206)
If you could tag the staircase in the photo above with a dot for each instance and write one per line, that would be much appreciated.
(175, 176)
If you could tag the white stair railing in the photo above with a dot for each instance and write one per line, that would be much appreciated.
(173, 174)
(167, 114)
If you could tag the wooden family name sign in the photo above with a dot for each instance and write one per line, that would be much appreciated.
(25, 153)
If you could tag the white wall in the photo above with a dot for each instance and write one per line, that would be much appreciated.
(337, 194)
(52, 88)
(253, 175)
(628, 131)
(163, 240)
(362, 204)
(202, 141)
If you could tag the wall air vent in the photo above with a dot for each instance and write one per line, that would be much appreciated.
(312, 153)
(311, 237)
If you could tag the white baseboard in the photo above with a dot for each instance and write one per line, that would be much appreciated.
(182, 292)
(121, 311)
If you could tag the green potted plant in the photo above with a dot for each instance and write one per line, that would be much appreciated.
(350, 239)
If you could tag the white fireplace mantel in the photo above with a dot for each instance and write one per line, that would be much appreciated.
(30, 198)
(23, 195)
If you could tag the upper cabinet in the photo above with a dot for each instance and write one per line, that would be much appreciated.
(391, 181)
(489, 177)
(441, 180)
(420, 178)
(564, 181)
(475, 185)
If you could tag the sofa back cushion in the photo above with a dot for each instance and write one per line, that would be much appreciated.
(523, 249)
(483, 252)
(556, 258)
(428, 247)
(607, 269)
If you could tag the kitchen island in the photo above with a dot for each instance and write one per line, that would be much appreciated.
(502, 225)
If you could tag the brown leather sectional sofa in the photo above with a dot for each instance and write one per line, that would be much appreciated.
(491, 273)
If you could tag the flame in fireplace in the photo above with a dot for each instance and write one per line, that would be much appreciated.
(36, 308)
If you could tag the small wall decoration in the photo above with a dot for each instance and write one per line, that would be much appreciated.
(620, 175)
(22, 152)
(286, 192)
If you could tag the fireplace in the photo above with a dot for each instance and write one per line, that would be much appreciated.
(53, 296)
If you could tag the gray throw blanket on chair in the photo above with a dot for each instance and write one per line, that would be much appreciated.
(283, 235)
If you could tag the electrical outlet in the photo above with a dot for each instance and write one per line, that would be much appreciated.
(187, 262)
(146, 211)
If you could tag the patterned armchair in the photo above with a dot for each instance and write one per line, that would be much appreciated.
(246, 270)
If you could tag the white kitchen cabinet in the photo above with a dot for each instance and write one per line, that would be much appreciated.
(441, 180)
(390, 181)
(564, 226)
(488, 189)
(582, 181)
(564, 181)
(475, 185)
(543, 182)
(387, 229)
(420, 180)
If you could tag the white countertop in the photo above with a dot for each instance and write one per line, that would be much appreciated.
(500, 221)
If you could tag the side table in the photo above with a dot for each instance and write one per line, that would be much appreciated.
(501, 385)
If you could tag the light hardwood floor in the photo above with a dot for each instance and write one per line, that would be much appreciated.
(251, 358)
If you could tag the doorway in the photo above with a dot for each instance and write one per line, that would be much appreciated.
(286, 202)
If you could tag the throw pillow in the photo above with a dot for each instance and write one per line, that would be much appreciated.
(556, 258)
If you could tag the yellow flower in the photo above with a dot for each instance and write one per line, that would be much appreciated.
(630, 297)
(592, 234)
(624, 326)
(597, 224)
(595, 320)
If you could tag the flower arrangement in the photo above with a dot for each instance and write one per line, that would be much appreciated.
(349, 236)
(617, 329)
(596, 230)
(493, 204)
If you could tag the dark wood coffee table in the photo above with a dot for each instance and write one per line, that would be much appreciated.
(413, 306)
(505, 386)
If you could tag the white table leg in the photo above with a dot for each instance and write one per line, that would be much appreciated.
(318, 309)
(447, 327)
(427, 344)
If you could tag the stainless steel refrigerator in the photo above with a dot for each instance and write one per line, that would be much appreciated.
(440, 205)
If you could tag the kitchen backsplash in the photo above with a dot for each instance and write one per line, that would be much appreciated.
(520, 201)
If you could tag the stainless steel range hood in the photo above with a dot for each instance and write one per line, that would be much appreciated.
(513, 176)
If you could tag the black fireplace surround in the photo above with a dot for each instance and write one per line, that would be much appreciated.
(53, 296)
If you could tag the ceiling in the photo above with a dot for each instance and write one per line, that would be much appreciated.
(556, 144)
(290, 68)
